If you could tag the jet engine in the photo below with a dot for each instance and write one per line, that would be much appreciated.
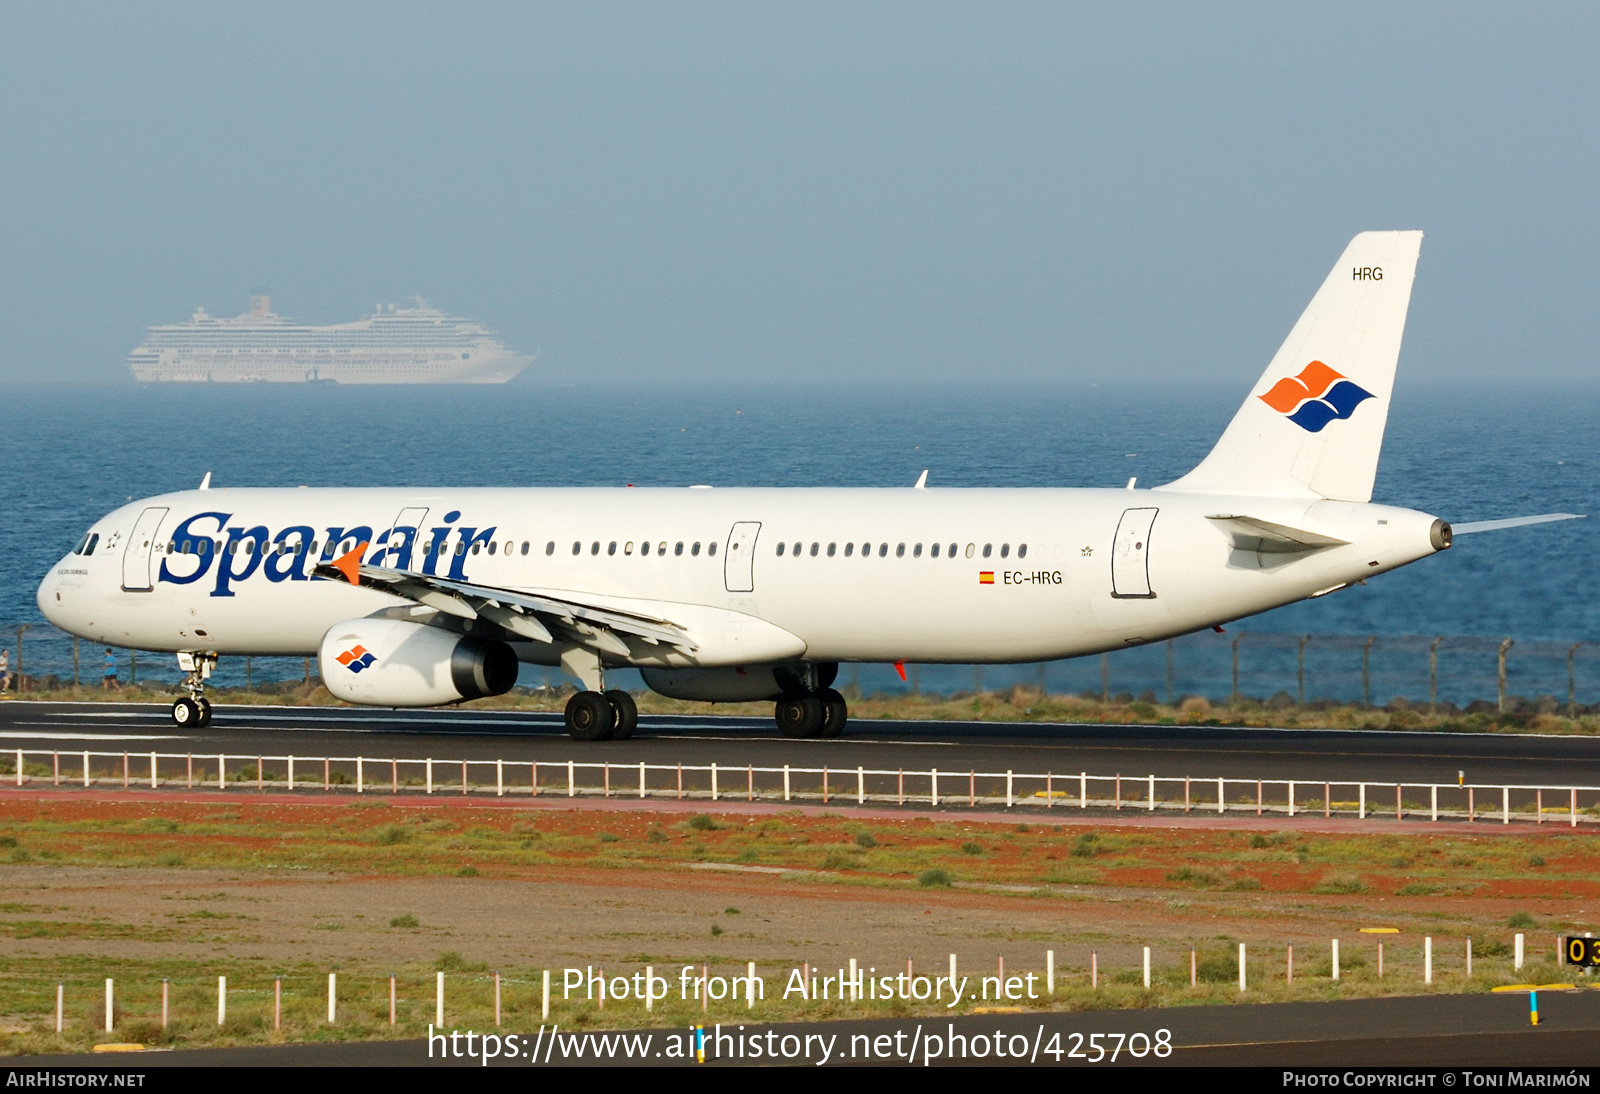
(396, 663)
(737, 685)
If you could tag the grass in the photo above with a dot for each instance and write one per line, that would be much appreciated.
(1436, 882)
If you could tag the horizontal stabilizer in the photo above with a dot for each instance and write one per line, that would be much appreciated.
(1254, 534)
(1511, 522)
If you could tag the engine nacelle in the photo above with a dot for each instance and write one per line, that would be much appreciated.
(396, 663)
(736, 685)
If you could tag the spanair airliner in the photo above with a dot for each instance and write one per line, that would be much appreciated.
(417, 598)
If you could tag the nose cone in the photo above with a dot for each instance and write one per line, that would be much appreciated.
(54, 593)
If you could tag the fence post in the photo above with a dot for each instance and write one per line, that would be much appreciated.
(1336, 959)
(333, 996)
(222, 999)
(1241, 966)
(1083, 790)
(1572, 691)
(1501, 672)
(1366, 674)
(1427, 959)
(1516, 962)
(110, 1013)
(438, 999)
(1433, 675)
(1505, 805)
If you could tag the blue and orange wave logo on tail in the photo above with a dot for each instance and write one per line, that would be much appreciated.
(1315, 397)
(356, 658)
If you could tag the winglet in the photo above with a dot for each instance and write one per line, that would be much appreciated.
(922, 480)
(205, 483)
(350, 564)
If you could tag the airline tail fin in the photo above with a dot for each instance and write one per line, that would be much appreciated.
(1313, 425)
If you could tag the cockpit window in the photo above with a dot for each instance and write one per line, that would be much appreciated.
(82, 543)
(87, 545)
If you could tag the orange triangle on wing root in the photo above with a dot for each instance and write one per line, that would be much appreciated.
(350, 564)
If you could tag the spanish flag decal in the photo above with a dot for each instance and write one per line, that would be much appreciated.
(985, 577)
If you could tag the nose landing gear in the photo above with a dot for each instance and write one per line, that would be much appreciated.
(194, 709)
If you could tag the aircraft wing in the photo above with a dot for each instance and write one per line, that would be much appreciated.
(1511, 522)
(528, 615)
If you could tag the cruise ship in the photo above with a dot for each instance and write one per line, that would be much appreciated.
(419, 345)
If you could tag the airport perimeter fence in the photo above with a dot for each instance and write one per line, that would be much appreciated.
(1442, 672)
(25, 769)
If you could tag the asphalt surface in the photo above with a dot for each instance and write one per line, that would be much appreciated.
(1202, 752)
(1432, 1032)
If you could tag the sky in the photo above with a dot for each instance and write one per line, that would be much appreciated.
(732, 194)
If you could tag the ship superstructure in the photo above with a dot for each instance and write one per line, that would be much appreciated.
(418, 345)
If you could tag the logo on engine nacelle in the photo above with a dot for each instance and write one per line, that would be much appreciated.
(356, 658)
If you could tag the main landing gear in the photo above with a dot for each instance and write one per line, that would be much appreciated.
(194, 709)
(822, 713)
(596, 716)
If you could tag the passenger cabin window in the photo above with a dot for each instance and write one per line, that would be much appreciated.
(611, 550)
(883, 550)
(797, 550)
(524, 546)
(1022, 550)
(1005, 550)
(987, 549)
(850, 549)
(695, 550)
(678, 550)
(627, 548)
(900, 551)
(814, 548)
(831, 548)
(780, 549)
(577, 547)
(644, 548)
(661, 548)
(916, 552)
(492, 546)
(970, 549)
(594, 548)
(711, 548)
(934, 551)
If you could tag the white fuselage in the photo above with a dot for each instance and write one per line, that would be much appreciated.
(1065, 582)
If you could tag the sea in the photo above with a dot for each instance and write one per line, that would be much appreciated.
(1463, 451)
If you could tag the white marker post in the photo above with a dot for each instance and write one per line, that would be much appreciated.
(109, 1014)
(1049, 971)
(163, 1002)
(545, 1010)
(1147, 967)
(333, 996)
(1518, 957)
(1336, 959)
(438, 1000)
(1241, 967)
(1427, 959)
(222, 999)
(61, 1001)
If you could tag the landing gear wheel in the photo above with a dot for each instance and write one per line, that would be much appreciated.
(627, 714)
(205, 711)
(799, 715)
(590, 717)
(835, 712)
(186, 712)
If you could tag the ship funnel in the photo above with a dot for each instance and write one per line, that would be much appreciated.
(260, 302)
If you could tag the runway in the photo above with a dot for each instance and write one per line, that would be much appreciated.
(1308, 755)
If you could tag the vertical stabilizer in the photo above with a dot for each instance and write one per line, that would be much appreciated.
(1313, 425)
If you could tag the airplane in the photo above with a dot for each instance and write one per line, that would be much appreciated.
(428, 597)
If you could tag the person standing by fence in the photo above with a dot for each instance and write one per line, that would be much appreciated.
(109, 681)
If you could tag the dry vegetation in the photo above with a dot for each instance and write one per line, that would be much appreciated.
(139, 890)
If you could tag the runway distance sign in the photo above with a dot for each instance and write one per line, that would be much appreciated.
(1583, 951)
